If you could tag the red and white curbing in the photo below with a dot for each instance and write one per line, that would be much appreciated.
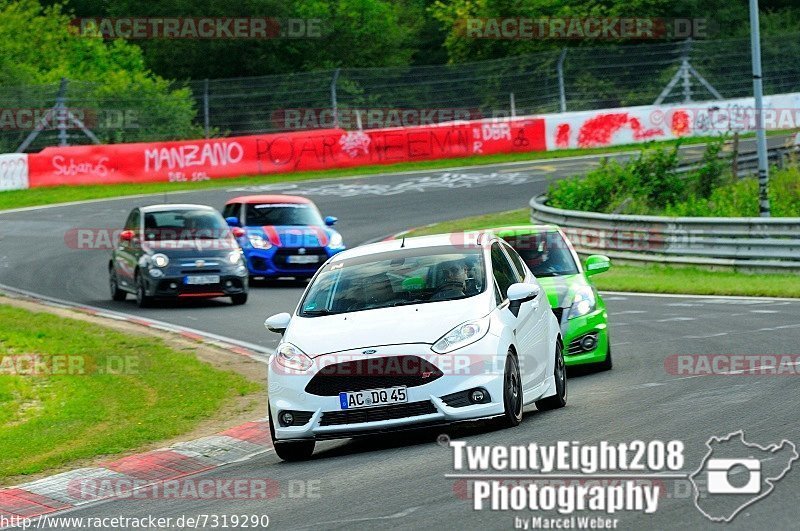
(57, 493)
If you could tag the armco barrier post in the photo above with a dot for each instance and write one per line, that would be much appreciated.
(562, 93)
(206, 118)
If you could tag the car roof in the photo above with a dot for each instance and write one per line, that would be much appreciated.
(418, 242)
(266, 199)
(175, 206)
(527, 229)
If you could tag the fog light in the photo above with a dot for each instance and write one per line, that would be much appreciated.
(228, 283)
(477, 396)
(156, 273)
(588, 342)
(173, 286)
(287, 418)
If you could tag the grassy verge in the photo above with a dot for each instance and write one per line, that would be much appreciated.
(694, 281)
(95, 391)
(63, 194)
(647, 278)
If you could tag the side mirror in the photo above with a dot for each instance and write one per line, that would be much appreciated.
(520, 293)
(126, 235)
(232, 221)
(278, 323)
(331, 220)
(597, 263)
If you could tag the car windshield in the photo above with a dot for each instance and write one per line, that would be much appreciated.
(395, 278)
(545, 253)
(184, 224)
(282, 214)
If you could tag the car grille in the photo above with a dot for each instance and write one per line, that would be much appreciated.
(355, 416)
(281, 256)
(201, 271)
(575, 346)
(372, 373)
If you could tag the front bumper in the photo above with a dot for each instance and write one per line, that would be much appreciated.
(476, 366)
(275, 261)
(174, 287)
(574, 330)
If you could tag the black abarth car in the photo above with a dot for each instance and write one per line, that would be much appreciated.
(176, 252)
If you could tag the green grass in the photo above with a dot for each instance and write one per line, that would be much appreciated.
(123, 392)
(646, 278)
(63, 194)
(694, 281)
(487, 221)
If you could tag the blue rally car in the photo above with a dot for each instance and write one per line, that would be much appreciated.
(285, 235)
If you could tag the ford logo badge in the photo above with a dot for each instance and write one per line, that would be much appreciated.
(369, 351)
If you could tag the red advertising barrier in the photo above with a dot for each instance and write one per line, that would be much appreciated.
(198, 160)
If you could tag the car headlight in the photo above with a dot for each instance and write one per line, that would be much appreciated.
(292, 357)
(160, 260)
(583, 302)
(258, 241)
(461, 336)
(336, 241)
(235, 257)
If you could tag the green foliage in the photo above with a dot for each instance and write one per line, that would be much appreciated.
(647, 180)
(39, 47)
(650, 185)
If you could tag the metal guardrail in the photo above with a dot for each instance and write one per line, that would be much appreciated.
(742, 243)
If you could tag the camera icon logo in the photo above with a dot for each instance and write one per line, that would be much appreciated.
(735, 474)
(718, 481)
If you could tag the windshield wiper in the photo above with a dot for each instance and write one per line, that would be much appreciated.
(321, 311)
(404, 303)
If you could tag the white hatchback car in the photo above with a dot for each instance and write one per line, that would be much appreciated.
(403, 334)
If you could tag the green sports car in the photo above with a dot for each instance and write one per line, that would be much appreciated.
(574, 298)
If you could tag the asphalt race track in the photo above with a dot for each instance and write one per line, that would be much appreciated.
(399, 482)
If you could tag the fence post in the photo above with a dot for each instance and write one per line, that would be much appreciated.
(206, 118)
(334, 103)
(61, 112)
(561, 91)
(513, 105)
(686, 67)
(42, 123)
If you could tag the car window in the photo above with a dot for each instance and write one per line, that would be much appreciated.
(546, 253)
(231, 211)
(301, 214)
(504, 273)
(395, 278)
(184, 224)
(133, 221)
(516, 261)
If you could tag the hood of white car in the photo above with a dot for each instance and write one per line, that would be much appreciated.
(419, 323)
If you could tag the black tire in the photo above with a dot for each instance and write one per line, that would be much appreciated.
(239, 299)
(142, 299)
(290, 450)
(512, 393)
(560, 372)
(606, 364)
(116, 293)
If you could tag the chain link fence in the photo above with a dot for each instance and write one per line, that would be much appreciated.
(570, 79)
